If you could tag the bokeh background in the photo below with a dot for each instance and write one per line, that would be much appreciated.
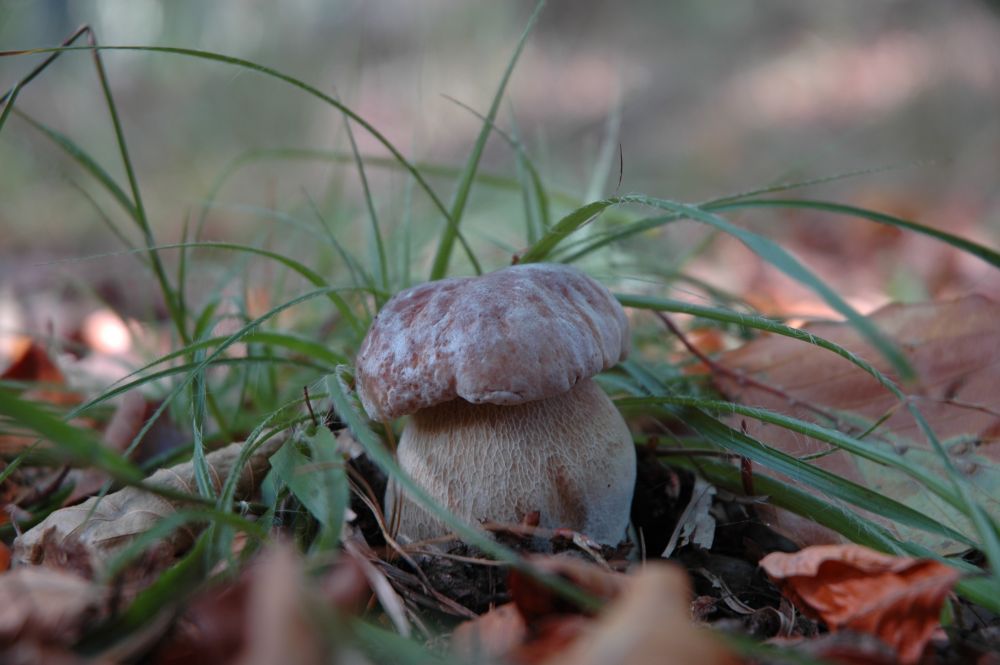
(706, 98)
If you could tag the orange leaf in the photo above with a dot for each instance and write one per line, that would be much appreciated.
(897, 599)
(33, 364)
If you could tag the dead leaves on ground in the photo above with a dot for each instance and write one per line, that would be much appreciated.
(29, 488)
(645, 621)
(85, 536)
(274, 612)
(44, 611)
(849, 587)
(954, 348)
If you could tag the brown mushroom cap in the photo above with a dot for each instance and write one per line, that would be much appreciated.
(517, 335)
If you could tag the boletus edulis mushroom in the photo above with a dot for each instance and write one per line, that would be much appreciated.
(494, 372)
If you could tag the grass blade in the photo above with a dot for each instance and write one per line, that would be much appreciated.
(985, 253)
(315, 92)
(763, 247)
(86, 161)
(786, 263)
(834, 437)
(806, 474)
(319, 483)
(9, 105)
(447, 241)
(563, 228)
(83, 445)
(372, 215)
(526, 170)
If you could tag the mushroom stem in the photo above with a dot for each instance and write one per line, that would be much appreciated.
(570, 457)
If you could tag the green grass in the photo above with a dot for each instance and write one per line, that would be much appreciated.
(358, 277)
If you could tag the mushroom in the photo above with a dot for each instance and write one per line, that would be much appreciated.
(505, 420)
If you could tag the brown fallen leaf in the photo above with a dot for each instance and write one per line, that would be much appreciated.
(954, 348)
(648, 624)
(266, 615)
(535, 600)
(491, 636)
(279, 628)
(897, 599)
(46, 606)
(647, 620)
(86, 535)
(131, 414)
(34, 366)
(538, 623)
(210, 630)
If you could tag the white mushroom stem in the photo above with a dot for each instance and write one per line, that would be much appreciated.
(570, 457)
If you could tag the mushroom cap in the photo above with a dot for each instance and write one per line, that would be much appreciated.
(516, 335)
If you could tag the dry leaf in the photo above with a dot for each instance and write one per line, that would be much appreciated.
(46, 606)
(34, 365)
(648, 624)
(535, 600)
(210, 631)
(954, 348)
(84, 536)
(647, 620)
(539, 623)
(132, 412)
(491, 636)
(131, 415)
(265, 616)
(278, 626)
(897, 599)
(696, 525)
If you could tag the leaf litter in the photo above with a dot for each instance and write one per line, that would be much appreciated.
(897, 599)
(280, 604)
(955, 350)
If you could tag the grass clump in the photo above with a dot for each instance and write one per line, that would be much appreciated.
(241, 354)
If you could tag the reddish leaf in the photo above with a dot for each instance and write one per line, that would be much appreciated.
(266, 615)
(535, 600)
(648, 624)
(33, 365)
(490, 636)
(897, 599)
(647, 620)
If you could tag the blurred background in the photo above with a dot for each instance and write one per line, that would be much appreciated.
(706, 98)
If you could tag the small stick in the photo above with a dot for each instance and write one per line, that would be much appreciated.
(305, 393)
